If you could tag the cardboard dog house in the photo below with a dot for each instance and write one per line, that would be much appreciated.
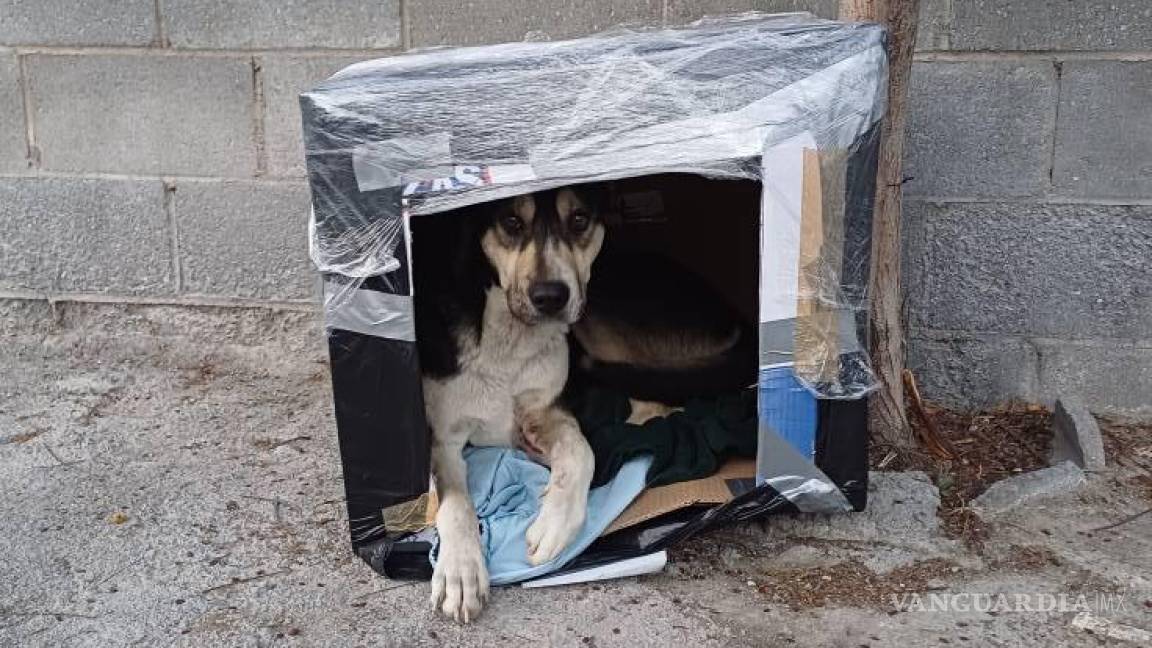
(774, 117)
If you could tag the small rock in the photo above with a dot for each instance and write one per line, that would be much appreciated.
(1076, 435)
(1007, 494)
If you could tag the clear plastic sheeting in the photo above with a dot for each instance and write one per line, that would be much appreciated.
(790, 102)
(431, 131)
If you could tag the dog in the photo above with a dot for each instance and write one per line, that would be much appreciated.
(492, 337)
(516, 304)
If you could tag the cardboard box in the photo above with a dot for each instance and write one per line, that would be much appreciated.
(786, 106)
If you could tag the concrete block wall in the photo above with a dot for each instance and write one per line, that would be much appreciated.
(150, 149)
(150, 152)
(1028, 208)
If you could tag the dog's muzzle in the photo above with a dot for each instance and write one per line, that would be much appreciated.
(549, 297)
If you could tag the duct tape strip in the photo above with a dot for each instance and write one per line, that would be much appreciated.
(370, 312)
(795, 477)
(778, 339)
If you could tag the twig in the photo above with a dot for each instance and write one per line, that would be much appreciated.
(384, 589)
(930, 436)
(241, 581)
(277, 444)
(16, 623)
(1024, 444)
(51, 452)
(118, 571)
(75, 615)
(1124, 521)
(276, 504)
(67, 463)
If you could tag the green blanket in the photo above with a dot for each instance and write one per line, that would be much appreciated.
(691, 444)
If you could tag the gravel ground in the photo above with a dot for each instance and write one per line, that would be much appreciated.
(171, 477)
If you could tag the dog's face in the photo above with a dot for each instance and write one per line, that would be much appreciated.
(542, 246)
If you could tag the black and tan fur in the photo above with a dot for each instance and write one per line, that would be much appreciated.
(504, 293)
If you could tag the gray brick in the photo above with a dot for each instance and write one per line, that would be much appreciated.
(13, 147)
(471, 22)
(152, 115)
(244, 239)
(1112, 377)
(980, 129)
(1007, 494)
(1076, 435)
(681, 11)
(1051, 24)
(1076, 271)
(972, 371)
(77, 22)
(84, 235)
(934, 25)
(284, 79)
(1104, 133)
(283, 23)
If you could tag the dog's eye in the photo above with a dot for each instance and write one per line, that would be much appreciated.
(512, 224)
(579, 222)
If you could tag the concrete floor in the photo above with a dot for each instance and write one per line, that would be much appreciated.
(172, 478)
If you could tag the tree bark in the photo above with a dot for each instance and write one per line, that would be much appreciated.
(887, 412)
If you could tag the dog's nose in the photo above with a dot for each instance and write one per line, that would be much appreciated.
(549, 297)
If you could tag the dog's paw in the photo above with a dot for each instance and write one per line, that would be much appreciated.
(460, 582)
(554, 528)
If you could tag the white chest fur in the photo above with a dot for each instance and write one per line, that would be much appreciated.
(510, 358)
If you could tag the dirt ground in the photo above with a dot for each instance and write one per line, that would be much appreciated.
(173, 479)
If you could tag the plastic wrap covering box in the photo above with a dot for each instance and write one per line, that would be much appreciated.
(790, 102)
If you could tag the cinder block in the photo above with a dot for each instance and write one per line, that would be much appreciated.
(1051, 25)
(1104, 134)
(284, 79)
(980, 129)
(13, 147)
(933, 31)
(682, 11)
(972, 371)
(77, 22)
(1075, 435)
(1075, 271)
(968, 370)
(1007, 494)
(84, 235)
(144, 114)
(283, 23)
(472, 22)
(1111, 376)
(244, 239)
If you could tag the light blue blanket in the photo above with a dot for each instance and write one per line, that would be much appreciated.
(506, 486)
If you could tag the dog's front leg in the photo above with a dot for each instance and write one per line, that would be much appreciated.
(460, 580)
(564, 505)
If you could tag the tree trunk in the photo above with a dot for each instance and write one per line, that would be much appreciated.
(888, 416)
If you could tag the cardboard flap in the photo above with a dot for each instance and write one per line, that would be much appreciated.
(715, 489)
